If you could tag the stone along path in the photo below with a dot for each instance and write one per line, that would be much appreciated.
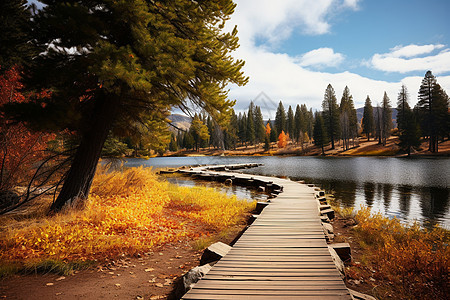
(282, 255)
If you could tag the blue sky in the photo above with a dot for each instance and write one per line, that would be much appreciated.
(294, 48)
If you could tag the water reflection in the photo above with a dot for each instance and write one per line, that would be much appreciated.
(369, 193)
(240, 192)
(410, 189)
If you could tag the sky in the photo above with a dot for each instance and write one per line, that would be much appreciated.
(294, 48)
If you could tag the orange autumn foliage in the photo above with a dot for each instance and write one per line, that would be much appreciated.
(282, 140)
(127, 212)
(414, 260)
(20, 148)
(268, 129)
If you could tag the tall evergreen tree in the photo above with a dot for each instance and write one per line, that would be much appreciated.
(298, 123)
(368, 121)
(16, 32)
(320, 132)
(251, 137)
(231, 132)
(260, 131)
(331, 114)
(348, 119)
(407, 124)
(386, 117)
(134, 60)
(402, 108)
(433, 108)
(273, 133)
(290, 122)
(280, 118)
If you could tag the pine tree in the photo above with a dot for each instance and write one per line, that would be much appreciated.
(135, 60)
(251, 137)
(320, 132)
(290, 122)
(331, 114)
(386, 119)
(259, 125)
(368, 121)
(348, 119)
(16, 32)
(433, 108)
(273, 133)
(298, 123)
(402, 108)
(280, 118)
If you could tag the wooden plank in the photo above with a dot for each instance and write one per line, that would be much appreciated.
(283, 255)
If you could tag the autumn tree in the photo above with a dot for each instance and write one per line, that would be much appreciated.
(21, 149)
(320, 133)
(331, 114)
(282, 140)
(433, 107)
(111, 63)
(368, 121)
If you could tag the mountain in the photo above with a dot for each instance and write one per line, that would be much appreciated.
(360, 112)
(180, 121)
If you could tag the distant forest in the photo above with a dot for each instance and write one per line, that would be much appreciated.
(428, 119)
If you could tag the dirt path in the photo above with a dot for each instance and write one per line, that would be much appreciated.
(150, 276)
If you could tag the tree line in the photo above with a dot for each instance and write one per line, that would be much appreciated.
(245, 129)
(429, 119)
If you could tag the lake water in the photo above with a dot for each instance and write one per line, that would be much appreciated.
(410, 189)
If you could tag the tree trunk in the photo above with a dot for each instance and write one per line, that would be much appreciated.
(81, 173)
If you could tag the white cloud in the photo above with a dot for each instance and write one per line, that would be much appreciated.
(413, 50)
(404, 59)
(322, 57)
(287, 78)
(352, 4)
(273, 21)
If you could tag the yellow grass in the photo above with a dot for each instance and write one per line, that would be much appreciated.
(415, 261)
(127, 212)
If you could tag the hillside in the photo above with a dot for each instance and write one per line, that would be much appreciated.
(180, 121)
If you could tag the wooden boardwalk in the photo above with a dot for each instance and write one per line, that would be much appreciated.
(282, 255)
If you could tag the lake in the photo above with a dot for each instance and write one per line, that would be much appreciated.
(409, 189)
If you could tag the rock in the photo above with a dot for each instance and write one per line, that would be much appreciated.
(328, 212)
(337, 261)
(343, 250)
(328, 231)
(260, 206)
(214, 253)
(190, 279)
(324, 207)
(328, 227)
(358, 296)
(324, 219)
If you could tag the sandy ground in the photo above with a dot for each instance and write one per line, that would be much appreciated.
(150, 276)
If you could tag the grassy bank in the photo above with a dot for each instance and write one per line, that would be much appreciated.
(127, 213)
(397, 261)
